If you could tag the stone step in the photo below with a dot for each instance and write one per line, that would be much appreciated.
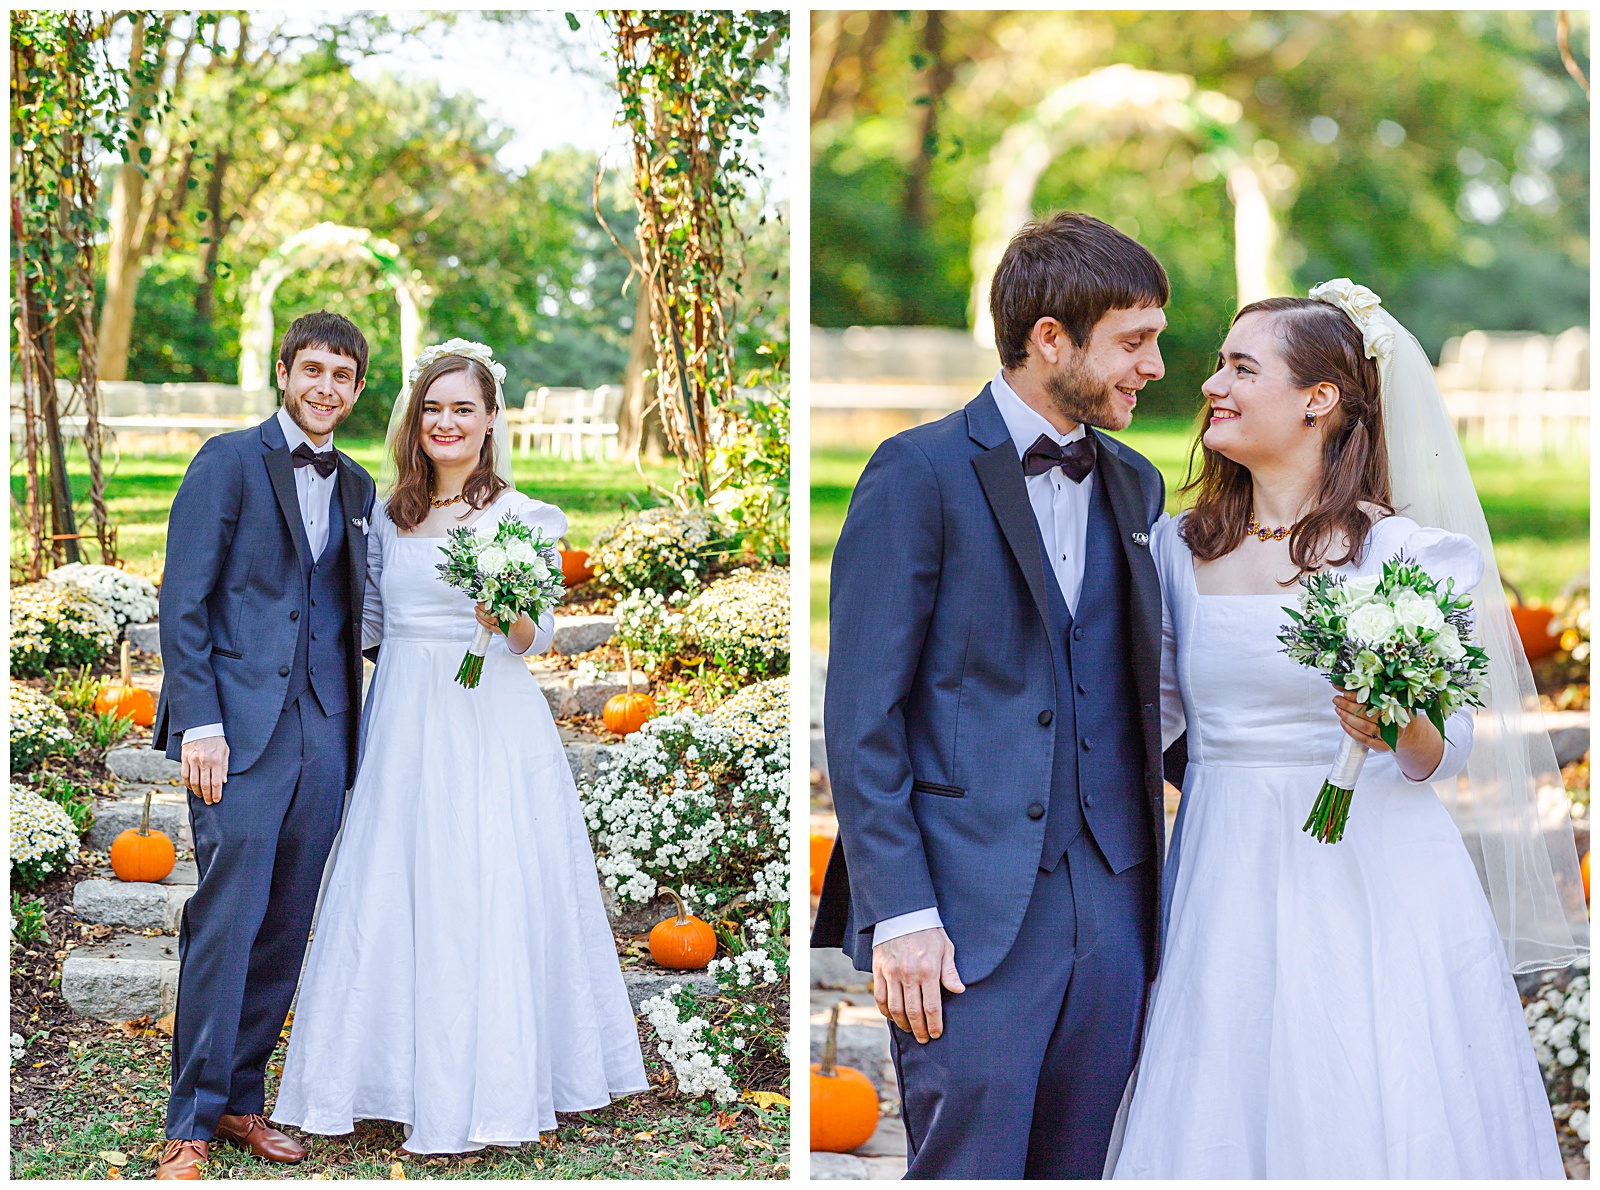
(141, 763)
(136, 905)
(125, 977)
(144, 637)
(579, 634)
(652, 981)
(570, 693)
(1569, 733)
(169, 814)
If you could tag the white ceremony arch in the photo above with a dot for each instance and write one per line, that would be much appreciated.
(317, 246)
(1117, 102)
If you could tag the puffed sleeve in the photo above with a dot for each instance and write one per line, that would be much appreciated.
(552, 522)
(1445, 555)
(372, 604)
(1164, 536)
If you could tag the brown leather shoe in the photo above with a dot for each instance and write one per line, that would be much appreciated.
(181, 1160)
(261, 1138)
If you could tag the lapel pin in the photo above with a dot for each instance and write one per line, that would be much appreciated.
(1141, 539)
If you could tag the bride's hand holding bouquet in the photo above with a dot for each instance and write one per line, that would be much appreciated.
(512, 574)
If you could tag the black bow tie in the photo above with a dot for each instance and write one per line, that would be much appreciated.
(323, 460)
(1076, 458)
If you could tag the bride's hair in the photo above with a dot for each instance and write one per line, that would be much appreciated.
(1320, 345)
(413, 485)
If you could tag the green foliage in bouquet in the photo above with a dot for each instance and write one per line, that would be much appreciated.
(1399, 641)
(660, 549)
(54, 625)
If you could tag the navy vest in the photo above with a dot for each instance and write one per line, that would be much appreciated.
(320, 657)
(1097, 779)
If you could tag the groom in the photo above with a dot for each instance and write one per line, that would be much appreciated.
(260, 637)
(994, 732)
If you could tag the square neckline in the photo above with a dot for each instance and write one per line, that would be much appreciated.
(482, 516)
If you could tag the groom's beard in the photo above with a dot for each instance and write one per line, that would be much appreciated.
(294, 406)
(1077, 393)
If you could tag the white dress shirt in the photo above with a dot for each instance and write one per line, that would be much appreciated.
(315, 494)
(1061, 508)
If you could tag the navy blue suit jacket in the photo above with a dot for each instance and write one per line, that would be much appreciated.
(233, 594)
(939, 670)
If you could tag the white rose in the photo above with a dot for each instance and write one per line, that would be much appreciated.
(538, 568)
(1359, 590)
(491, 560)
(1448, 644)
(519, 551)
(1416, 611)
(1373, 622)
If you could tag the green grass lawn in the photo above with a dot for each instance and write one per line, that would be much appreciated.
(139, 495)
(1537, 508)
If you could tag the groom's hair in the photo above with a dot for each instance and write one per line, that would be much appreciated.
(329, 331)
(1073, 268)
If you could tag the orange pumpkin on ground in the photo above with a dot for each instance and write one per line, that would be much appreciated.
(683, 942)
(126, 699)
(844, 1103)
(575, 566)
(626, 713)
(1584, 869)
(821, 851)
(143, 855)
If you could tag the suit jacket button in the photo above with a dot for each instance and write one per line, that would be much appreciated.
(294, 615)
(1077, 634)
(283, 671)
(1088, 800)
(1082, 689)
(1087, 745)
(1046, 717)
(1036, 811)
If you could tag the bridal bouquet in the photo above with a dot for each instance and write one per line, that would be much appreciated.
(515, 570)
(1401, 643)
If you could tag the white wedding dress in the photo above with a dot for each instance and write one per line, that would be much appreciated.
(462, 979)
(1322, 1011)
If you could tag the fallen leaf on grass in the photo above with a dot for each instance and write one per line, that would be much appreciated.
(765, 1099)
(643, 1136)
(134, 1027)
(538, 1162)
(471, 1160)
(113, 1174)
(152, 1151)
(727, 1119)
(164, 1025)
(112, 1157)
(397, 1172)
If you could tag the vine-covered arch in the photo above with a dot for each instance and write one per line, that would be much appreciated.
(313, 248)
(1117, 102)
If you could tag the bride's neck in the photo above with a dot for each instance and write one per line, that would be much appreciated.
(448, 481)
(1281, 498)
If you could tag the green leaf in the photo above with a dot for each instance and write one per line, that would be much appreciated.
(1390, 733)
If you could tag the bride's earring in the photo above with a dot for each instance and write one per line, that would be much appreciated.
(1311, 420)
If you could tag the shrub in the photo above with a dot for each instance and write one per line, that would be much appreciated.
(1558, 1024)
(693, 803)
(749, 470)
(38, 728)
(660, 548)
(742, 621)
(53, 624)
(131, 598)
(651, 624)
(43, 839)
(27, 921)
(76, 800)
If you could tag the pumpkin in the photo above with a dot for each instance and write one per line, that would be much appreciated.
(1583, 868)
(821, 851)
(126, 699)
(683, 942)
(143, 854)
(575, 566)
(1533, 625)
(626, 713)
(844, 1103)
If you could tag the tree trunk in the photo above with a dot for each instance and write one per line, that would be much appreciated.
(639, 422)
(127, 230)
(206, 283)
(940, 77)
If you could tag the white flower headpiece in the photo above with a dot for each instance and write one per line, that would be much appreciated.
(1365, 309)
(466, 347)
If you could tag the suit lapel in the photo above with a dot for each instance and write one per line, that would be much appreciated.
(350, 494)
(1127, 505)
(280, 469)
(1000, 474)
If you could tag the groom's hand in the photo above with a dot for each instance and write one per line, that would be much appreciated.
(205, 767)
(906, 975)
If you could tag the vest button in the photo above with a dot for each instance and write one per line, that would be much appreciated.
(1077, 634)
(294, 615)
(283, 671)
(1036, 811)
(1088, 800)
(313, 636)
(1082, 689)
(1046, 716)
(1087, 746)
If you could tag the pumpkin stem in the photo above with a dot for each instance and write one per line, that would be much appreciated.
(627, 663)
(830, 1047)
(144, 819)
(677, 901)
(127, 666)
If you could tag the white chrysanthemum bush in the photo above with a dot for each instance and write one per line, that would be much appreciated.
(55, 625)
(131, 598)
(44, 839)
(701, 804)
(652, 625)
(39, 727)
(742, 621)
(1558, 1023)
(659, 549)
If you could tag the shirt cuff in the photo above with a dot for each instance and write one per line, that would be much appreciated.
(204, 732)
(906, 923)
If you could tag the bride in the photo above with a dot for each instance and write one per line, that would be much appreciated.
(1342, 1010)
(463, 979)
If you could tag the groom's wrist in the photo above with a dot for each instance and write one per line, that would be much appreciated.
(906, 923)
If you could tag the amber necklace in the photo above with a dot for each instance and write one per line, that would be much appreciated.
(1276, 533)
(456, 499)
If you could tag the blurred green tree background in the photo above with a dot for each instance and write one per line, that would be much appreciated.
(1440, 158)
